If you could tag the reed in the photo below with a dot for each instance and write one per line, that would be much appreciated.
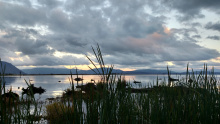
(193, 99)
(12, 108)
(57, 112)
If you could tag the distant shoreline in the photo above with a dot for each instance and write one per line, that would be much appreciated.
(70, 74)
(216, 73)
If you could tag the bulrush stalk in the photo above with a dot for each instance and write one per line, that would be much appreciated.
(113, 100)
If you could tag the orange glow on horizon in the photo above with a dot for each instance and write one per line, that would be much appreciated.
(127, 69)
(217, 60)
(81, 67)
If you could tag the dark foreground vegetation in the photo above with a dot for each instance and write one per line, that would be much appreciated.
(193, 99)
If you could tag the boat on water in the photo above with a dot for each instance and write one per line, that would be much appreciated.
(78, 79)
(137, 82)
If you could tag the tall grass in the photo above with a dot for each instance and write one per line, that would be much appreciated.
(188, 101)
(194, 99)
(15, 110)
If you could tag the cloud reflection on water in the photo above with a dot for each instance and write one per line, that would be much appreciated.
(55, 88)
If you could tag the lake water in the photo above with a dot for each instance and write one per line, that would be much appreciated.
(56, 84)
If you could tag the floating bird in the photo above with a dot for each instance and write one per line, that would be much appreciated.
(30, 90)
(190, 80)
(136, 82)
(173, 79)
(93, 80)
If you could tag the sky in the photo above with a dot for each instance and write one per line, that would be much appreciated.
(132, 34)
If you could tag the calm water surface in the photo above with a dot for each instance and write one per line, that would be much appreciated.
(56, 84)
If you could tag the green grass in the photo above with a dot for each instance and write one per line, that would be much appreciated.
(195, 101)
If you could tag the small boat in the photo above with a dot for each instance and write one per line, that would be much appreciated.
(78, 79)
(137, 82)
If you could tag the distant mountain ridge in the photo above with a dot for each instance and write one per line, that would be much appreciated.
(73, 71)
(146, 71)
(47, 71)
(118, 71)
(62, 71)
(9, 68)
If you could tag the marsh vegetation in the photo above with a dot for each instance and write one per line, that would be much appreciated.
(193, 99)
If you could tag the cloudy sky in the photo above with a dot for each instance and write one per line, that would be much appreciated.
(132, 34)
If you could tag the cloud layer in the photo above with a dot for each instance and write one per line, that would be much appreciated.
(131, 34)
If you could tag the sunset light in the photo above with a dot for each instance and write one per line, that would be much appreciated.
(53, 34)
(110, 61)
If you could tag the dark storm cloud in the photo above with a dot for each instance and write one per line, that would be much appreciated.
(138, 28)
(24, 33)
(192, 9)
(21, 15)
(184, 51)
(50, 3)
(186, 32)
(20, 40)
(47, 60)
(135, 29)
(85, 26)
(213, 26)
(131, 59)
(149, 50)
(28, 46)
(196, 24)
(4, 52)
(54, 61)
(186, 17)
(193, 24)
(196, 36)
(214, 37)
(127, 34)
(70, 43)
(73, 41)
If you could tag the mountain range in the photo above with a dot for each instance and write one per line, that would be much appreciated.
(8, 68)
(118, 71)
(62, 71)
(73, 71)
(11, 69)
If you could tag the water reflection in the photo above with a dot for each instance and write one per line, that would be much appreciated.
(9, 80)
(56, 84)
